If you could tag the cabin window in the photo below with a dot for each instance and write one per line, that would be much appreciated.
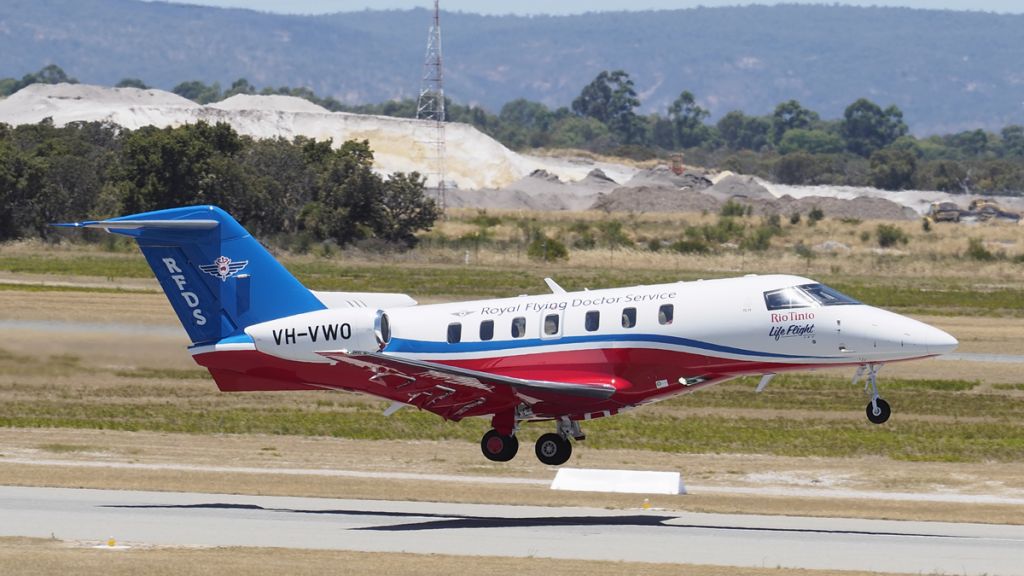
(518, 327)
(486, 330)
(454, 332)
(665, 314)
(593, 321)
(551, 324)
(628, 317)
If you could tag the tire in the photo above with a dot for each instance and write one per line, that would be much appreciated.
(553, 450)
(884, 411)
(499, 448)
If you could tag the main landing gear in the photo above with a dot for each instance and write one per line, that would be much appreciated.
(553, 448)
(878, 410)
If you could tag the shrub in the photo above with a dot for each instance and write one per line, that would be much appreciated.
(976, 250)
(794, 218)
(759, 240)
(547, 249)
(733, 208)
(815, 215)
(890, 235)
(691, 246)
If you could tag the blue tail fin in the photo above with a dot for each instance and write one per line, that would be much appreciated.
(218, 278)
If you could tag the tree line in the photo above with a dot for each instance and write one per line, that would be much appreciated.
(869, 146)
(291, 192)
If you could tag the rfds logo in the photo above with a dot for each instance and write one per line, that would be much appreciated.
(224, 267)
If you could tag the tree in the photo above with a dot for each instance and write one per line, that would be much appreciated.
(51, 74)
(240, 86)
(131, 83)
(811, 141)
(742, 132)
(403, 209)
(186, 165)
(791, 115)
(611, 100)
(893, 169)
(576, 132)
(866, 127)
(688, 120)
(198, 92)
(970, 144)
(1013, 140)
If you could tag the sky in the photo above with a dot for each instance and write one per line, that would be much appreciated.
(580, 6)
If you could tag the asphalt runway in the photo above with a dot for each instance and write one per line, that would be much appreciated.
(193, 519)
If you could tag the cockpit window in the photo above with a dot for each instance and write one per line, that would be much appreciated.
(786, 298)
(826, 296)
(805, 296)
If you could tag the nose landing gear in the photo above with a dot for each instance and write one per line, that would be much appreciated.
(878, 410)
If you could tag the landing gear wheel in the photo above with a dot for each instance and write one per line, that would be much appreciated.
(881, 413)
(553, 450)
(499, 448)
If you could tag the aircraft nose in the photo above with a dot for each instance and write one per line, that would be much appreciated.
(938, 341)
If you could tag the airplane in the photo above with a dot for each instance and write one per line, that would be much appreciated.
(562, 357)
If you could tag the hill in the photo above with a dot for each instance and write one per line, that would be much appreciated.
(948, 71)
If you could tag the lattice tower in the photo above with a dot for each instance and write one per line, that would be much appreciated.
(430, 106)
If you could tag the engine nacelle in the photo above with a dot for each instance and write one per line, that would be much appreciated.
(300, 337)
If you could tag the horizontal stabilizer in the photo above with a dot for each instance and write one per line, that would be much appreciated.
(143, 224)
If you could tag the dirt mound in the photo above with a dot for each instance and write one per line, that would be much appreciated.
(862, 208)
(735, 185)
(662, 177)
(655, 199)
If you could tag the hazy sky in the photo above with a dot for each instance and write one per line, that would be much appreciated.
(578, 6)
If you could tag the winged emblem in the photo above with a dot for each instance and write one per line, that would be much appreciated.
(224, 267)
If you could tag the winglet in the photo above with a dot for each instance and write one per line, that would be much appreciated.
(555, 288)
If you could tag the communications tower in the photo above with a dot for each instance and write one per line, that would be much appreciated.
(430, 106)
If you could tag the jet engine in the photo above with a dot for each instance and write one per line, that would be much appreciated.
(302, 336)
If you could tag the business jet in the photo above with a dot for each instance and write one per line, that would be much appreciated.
(562, 357)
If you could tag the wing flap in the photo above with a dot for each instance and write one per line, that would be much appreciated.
(485, 381)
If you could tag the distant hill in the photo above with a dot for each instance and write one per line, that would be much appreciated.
(948, 71)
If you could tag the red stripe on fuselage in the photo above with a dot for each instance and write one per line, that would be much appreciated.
(639, 374)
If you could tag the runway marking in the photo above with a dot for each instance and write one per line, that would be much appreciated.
(802, 492)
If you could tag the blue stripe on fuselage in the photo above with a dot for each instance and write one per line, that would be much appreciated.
(401, 345)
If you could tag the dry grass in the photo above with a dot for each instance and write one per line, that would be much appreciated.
(456, 458)
(35, 557)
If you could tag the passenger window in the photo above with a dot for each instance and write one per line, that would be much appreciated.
(628, 317)
(593, 321)
(486, 330)
(518, 327)
(551, 324)
(665, 314)
(454, 332)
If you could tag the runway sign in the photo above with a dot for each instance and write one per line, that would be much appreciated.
(625, 481)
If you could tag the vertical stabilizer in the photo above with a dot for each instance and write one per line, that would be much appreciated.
(218, 278)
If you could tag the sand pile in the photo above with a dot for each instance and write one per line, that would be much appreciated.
(274, 103)
(474, 160)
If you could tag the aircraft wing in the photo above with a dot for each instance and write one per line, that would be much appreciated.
(453, 392)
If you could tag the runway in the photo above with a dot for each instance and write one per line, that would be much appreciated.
(193, 519)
